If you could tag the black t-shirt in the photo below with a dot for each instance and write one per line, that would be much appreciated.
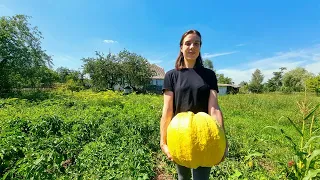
(191, 88)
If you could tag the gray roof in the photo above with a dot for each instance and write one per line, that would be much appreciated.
(159, 72)
(232, 85)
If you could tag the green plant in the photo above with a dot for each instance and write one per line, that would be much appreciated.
(305, 164)
(65, 135)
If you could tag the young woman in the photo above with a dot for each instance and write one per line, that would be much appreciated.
(189, 87)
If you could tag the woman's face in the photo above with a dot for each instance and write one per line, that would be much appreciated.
(190, 47)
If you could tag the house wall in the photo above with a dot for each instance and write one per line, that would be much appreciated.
(222, 90)
(157, 82)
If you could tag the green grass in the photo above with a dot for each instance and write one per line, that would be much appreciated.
(87, 135)
(246, 117)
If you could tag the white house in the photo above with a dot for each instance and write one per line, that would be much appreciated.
(158, 79)
(225, 89)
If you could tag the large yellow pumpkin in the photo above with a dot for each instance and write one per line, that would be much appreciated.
(195, 140)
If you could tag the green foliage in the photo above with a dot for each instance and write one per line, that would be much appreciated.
(223, 80)
(71, 80)
(75, 135)
(47, 77)
(313, 84)
(104, 71)
(64, 74)
(73, 86)
(136, 69)
(207, 63)
(106, 135)
(255, 84)
(275, 83)
(305, 163)
(244, 87)
(125, 69)
(22, 60)
(294, 80)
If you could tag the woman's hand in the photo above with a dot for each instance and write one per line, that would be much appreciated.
(226, 151)
(167, 114)
(165, 150)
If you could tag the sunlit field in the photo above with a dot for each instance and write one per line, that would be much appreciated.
(107, 135)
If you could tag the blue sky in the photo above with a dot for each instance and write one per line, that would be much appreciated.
(238, 36)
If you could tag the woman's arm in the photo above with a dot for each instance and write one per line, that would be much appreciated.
(214, 109)
(167, 114)
(215, 112)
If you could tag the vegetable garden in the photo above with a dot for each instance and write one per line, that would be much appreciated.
(107, 135)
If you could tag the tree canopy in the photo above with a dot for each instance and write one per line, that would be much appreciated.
(22, 60)
(125, 69)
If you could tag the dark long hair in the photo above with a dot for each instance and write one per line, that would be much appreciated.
(180, 59)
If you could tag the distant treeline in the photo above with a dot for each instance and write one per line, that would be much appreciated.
(295, 80)
(24, 64)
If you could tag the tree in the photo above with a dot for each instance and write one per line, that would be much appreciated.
(104, 71)
(223, 79)
(255, 84)
(207, 63)
(243, 83)
(21, 55)
(66, 74)
(63, 72)
(244, 87)
(126, 68)
(294, 80)
(313, 84)
(47, 77)
(275, 83)
(136, 69)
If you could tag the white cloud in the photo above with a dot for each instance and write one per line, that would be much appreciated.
(109, 41)
(291, 59)
(5, 11)
(313, 67)
(155, 61)
(237, 75)
(208, 55)
(308, 58)
(158, 60)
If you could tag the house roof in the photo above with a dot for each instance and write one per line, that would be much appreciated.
(159, 72)
(232, 85)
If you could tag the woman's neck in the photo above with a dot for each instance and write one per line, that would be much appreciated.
(189, 63)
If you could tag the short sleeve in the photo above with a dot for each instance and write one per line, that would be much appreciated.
(168, 83)
(212, 81)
